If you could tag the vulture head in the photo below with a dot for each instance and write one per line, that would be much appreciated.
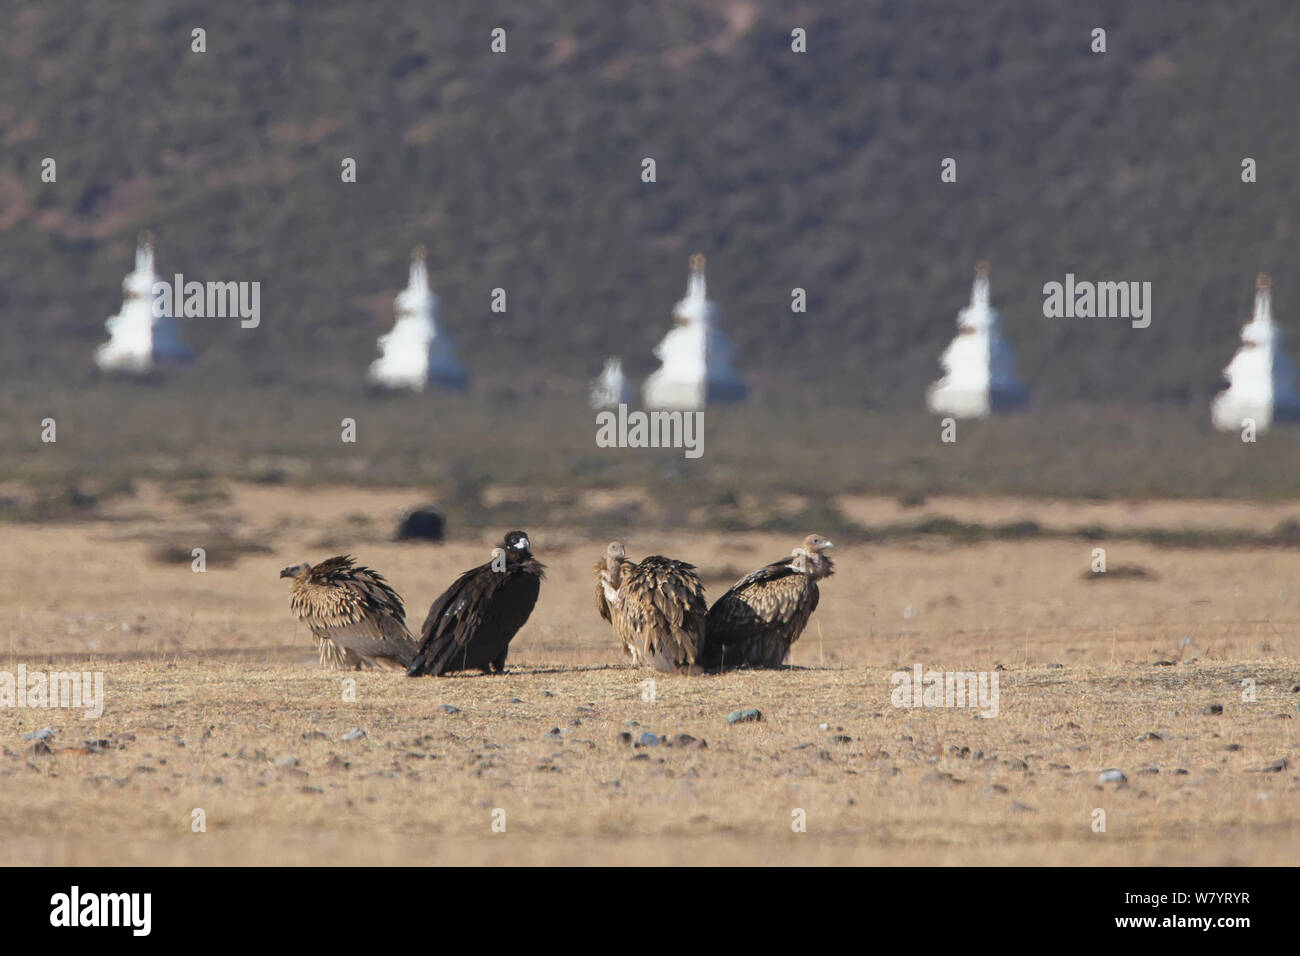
(296, 570)
(614, 554)
(516, 542)
(515, 547)
(811, 557)
(816, 544)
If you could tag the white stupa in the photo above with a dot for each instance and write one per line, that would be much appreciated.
(417, 352)
(695, 357)
(1261, 379)
(979, 368)
(612, 388)
(137, 337)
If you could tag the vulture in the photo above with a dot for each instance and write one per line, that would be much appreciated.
(754, 623)
(470, 625)
(355, 617)
(657, 608)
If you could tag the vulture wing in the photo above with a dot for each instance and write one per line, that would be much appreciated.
(757, 620)
(662, 612)
(452, 621)
(602, 605)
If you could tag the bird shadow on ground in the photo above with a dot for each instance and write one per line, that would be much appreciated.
(543, 669)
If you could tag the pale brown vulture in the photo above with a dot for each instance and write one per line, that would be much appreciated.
(657, 608)
(355, 617)
(754, 623)
(471, 624)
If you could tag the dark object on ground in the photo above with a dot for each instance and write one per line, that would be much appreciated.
(421, 524)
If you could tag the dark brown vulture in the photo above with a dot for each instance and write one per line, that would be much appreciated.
(355, 618)
(471, 624)
(657, 608)
(754, 624)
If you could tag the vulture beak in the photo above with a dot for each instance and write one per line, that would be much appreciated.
(828, 546)
(521, 544)
(290, 572)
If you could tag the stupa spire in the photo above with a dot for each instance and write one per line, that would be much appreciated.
(144, 252)
(979, 294)
(1263, 299)
(695, 284)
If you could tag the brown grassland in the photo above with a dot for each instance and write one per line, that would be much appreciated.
(214, 701)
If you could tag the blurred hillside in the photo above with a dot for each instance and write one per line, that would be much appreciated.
(523, 171)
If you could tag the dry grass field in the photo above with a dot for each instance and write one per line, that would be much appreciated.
(214, 700)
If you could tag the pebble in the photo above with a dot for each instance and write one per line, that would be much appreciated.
(448, 709)
(286, 762)
(44, 734)
(356, 733)
(1112, 776)
(744, 716)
